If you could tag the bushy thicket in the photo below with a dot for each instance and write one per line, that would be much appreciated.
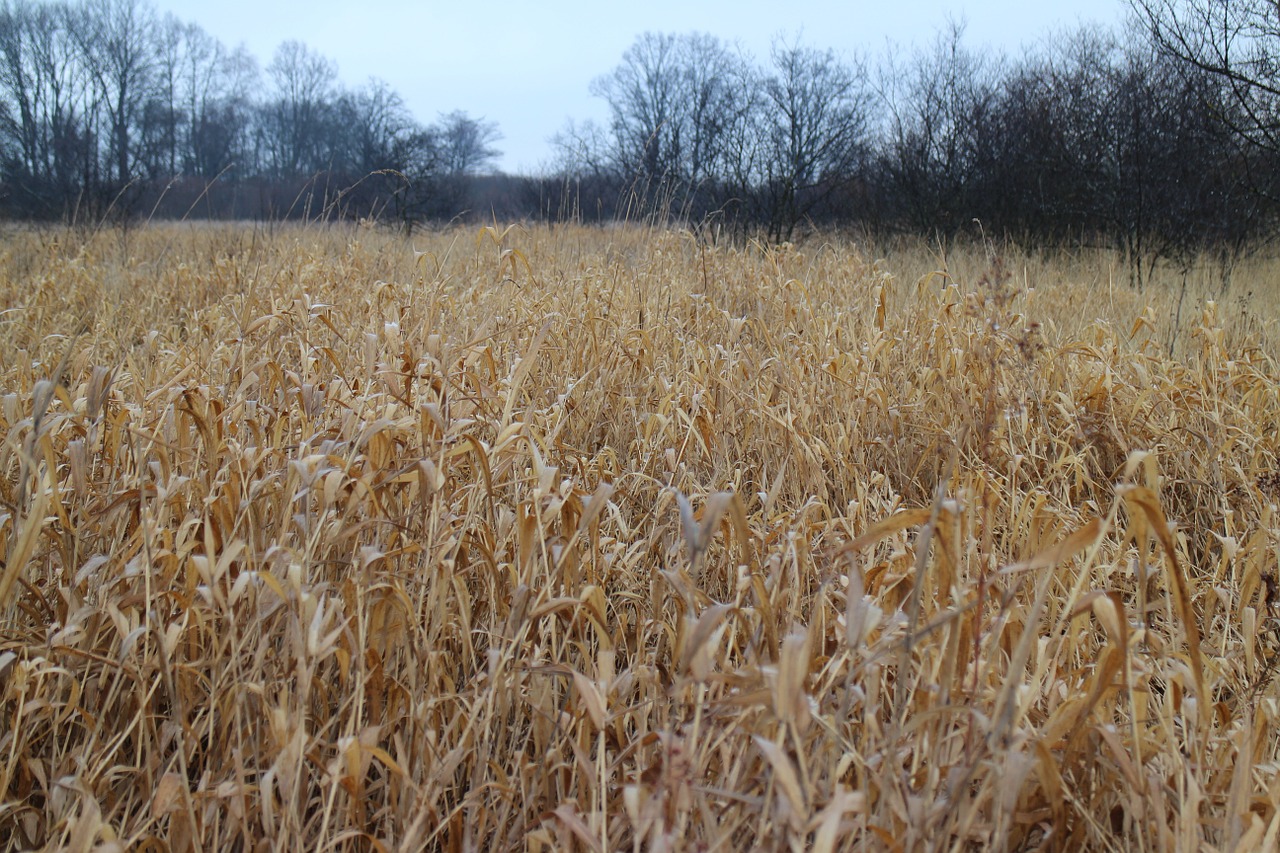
(1097, 138)
(1112, 138)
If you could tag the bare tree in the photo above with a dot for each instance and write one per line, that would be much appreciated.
(939, 103)
(580, 149)
(217, 96)
(581, 182)
(672, 101)
(814, 126)
(1236, 41)
(373, 124)
(97, 96)
(645, 103)
(466, 143)
(49, 146)
(712, 78)
(161, 116)
(115, 40)
(295, 120)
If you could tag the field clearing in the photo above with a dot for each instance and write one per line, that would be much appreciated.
(611, 539)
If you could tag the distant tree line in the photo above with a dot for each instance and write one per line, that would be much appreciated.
(1160, 139)
(105, 106)
(1099, 138)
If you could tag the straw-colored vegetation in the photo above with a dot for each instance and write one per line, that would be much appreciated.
(613, 539)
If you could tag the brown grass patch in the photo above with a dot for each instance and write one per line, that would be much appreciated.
(580, 539)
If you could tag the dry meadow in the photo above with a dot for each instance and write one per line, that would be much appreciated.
(551, 539)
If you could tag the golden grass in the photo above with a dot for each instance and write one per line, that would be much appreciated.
(604, 540)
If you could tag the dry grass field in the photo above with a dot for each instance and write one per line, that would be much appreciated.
(585, 539)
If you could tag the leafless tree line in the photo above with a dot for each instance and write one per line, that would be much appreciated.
(694, 125)
(1160, 139)
(106, 105)
(1124, 138)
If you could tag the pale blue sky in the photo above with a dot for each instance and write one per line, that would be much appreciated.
(527, 65)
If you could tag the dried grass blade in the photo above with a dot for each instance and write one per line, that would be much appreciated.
(738, 514)
(595, 506)
(592, 698)
(24, 545)
(566, 814)
(791, 703)
(522, 371)
(887, 527)
(1148, 504)
(1072, 545)
(784, 773)
(693, 659)
(828, 820)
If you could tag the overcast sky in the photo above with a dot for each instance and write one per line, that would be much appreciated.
(528, 65)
